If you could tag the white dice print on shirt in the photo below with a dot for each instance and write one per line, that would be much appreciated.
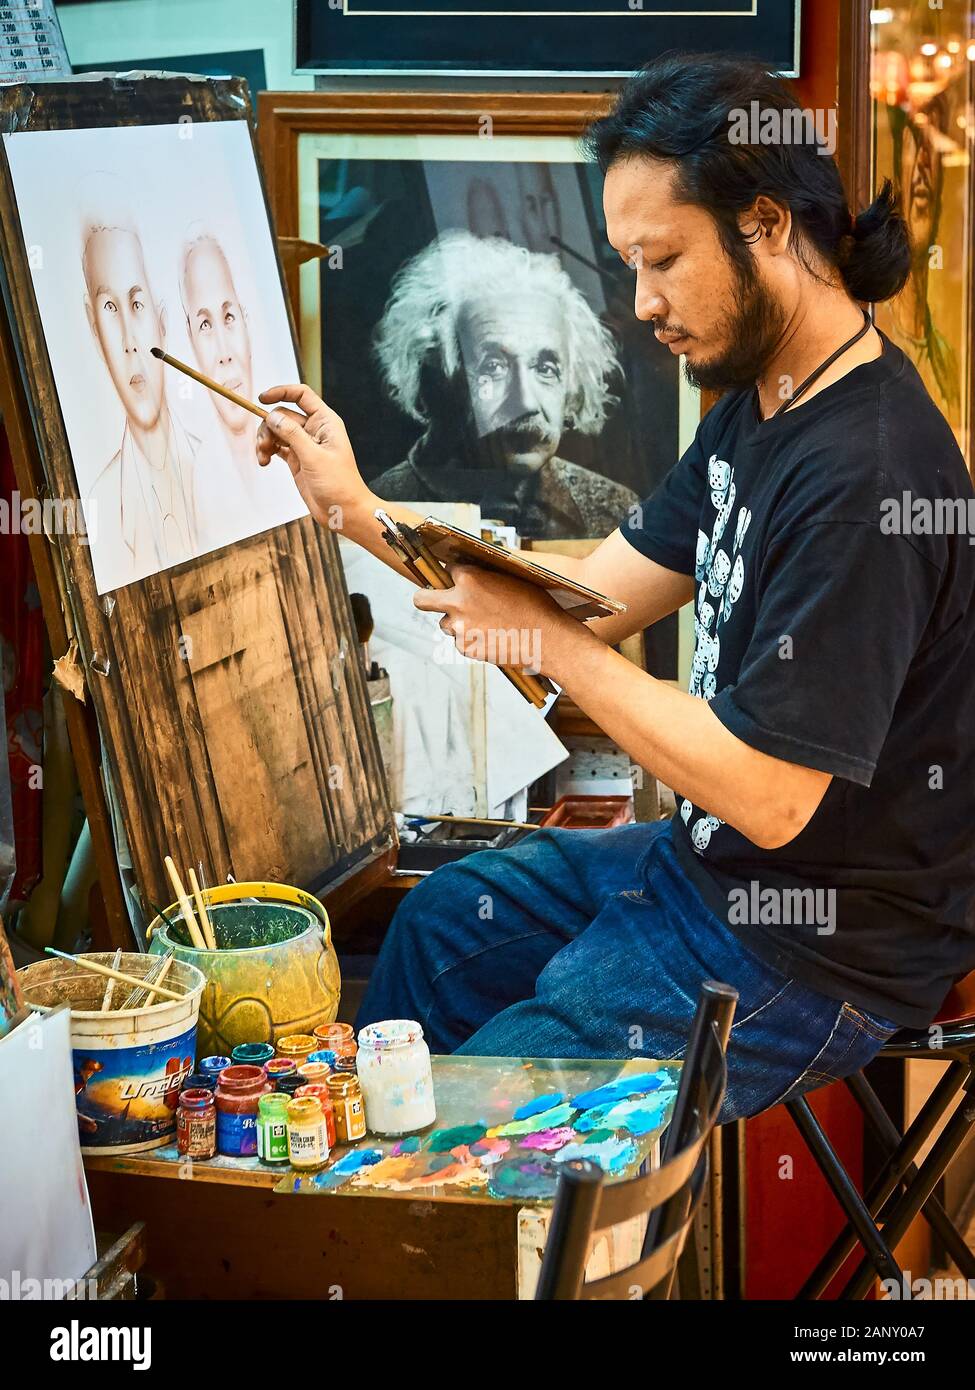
(721, 578)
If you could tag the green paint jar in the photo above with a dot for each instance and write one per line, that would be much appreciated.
(252, 1054)
(272, 1128)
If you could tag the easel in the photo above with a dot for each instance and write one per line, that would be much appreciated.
(226, 751)
(111, 919)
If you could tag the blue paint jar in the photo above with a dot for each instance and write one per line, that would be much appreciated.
(325, 1055)
(199, 1081)
(212, 1067)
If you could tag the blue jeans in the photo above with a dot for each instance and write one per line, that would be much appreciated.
(594, 943)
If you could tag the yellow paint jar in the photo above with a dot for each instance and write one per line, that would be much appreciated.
(307, 1135)
(297, 1046)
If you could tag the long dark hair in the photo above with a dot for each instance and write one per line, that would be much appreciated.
(680, 108)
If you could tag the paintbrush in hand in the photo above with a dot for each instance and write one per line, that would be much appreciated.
(209, 383)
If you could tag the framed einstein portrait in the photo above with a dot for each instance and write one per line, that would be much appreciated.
(923, 60)
(471, 324)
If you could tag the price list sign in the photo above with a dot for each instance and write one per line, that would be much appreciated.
(31, 43)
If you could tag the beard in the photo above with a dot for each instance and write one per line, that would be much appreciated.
(753, 328)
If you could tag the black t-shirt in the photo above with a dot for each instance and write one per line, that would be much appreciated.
(834, 629)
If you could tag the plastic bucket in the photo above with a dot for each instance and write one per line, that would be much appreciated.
(276, 971)
(129, 1064)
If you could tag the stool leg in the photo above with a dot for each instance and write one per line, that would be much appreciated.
(887, 1180)
(907, 1206)
(933, 1211)
(878, 1251)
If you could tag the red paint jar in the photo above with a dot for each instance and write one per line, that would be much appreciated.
(278, 1067)
(239, 1089)
(321, 1092)
(196, 1123)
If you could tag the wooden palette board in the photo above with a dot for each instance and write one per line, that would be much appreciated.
(258, 756)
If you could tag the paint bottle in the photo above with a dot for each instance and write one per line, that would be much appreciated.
(396, 1078)
(199, 1080)
(297, 1046)
(290, 1083)
(320, 1092)
(350, 1113)
(346, 1065)
(325, 1055)
(315, 1071)
(338, 1037)
(252, 1054)
(307, 1135)
(212, 1067)
(272, 1128)
(239, 1091)
(277, 1068)
(196, 1123)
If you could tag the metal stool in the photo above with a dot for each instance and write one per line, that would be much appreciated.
(880, 1218)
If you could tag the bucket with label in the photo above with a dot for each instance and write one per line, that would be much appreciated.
(129, 1064)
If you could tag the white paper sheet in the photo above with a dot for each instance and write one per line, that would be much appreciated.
(465, 740)
(46, 1231)
(157, 236)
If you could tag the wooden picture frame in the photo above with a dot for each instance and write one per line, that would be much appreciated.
(919, 118)
(258, 755)
(523, 38)
(496, 183)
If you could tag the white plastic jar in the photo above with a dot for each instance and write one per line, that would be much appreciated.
(394, 1069)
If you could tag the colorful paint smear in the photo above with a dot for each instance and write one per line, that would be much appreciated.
(548, 1140)
(638, 1083)
(443, 1140)
(640, 1116)
(548, 1119)
(612, 1155)
(536, 1106)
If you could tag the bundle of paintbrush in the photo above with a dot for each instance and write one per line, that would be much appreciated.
(426, 569)
(201, 933)
(144, 988)
(154, 976)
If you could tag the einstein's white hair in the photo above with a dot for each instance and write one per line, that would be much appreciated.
(431, 290)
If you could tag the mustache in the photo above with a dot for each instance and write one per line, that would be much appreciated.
(526, 431)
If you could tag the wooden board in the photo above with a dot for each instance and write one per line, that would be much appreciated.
(251, 746)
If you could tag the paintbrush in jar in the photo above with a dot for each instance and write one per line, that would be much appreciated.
(109, 988)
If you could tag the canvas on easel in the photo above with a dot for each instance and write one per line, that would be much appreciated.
(209, 611)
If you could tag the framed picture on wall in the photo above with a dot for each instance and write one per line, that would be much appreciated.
(471, 324)
(605, 38)
(922, 69)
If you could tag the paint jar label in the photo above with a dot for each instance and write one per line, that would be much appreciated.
(126, 1097)
(351, 1119)
(196, 1135)
(307, 1145)
(236, 1134)
(272, 1141)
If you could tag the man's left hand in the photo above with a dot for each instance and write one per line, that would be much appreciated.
(505, 621)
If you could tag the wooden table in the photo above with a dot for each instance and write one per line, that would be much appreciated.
(239, 1228)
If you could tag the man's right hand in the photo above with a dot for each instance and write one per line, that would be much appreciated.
(316, 448)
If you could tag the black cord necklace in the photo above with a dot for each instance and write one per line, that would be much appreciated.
(813, 377)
